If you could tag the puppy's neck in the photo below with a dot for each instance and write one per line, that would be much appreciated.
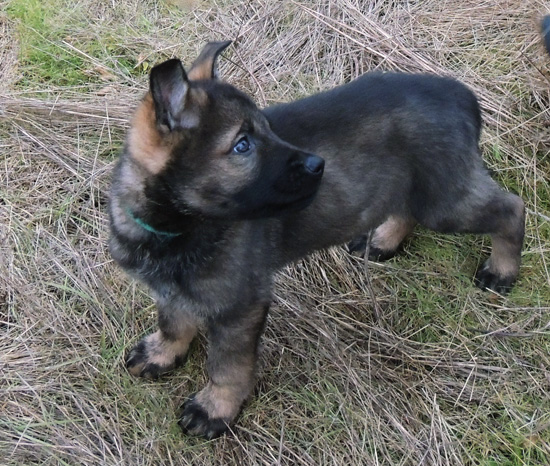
(150, 228)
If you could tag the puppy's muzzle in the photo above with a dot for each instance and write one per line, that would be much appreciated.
(304, 171)
(300, 179)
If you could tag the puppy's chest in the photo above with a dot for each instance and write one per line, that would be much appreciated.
(206, 282)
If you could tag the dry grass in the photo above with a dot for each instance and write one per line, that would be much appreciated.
(414, 366)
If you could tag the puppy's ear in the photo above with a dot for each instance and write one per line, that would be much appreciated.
(170, 87)
(205, 67)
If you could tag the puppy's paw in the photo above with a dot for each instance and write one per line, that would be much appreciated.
(155, 355)
(210, 412)
(195, 420)
(358, 247)
(487, 279)
(380, 255)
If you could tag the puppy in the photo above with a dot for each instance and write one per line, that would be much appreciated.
(212, 196)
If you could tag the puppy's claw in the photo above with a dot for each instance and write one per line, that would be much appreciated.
(195, 421)
(139, 364)
(358, 247)
(488, 280)
(380, 255)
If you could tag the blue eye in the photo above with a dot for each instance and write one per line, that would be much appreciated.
(242, 146)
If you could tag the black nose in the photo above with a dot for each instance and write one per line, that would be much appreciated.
(314, 164)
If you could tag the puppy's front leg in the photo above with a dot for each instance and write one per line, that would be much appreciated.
(165, 349)
(232, 355)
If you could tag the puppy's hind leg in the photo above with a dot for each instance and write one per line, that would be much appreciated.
(165, 349)
(386, 238)
(483, 208)
(506, 216)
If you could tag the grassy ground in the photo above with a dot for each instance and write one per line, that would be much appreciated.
(413, 366)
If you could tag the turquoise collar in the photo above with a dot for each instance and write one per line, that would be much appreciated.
(149, 228)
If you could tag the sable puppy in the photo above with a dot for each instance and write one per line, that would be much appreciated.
(212, 196)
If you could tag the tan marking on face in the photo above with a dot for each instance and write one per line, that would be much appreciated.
(152, 148)
(226, 174)
(233, 170)
(226, 140)
(146, 144)
(392, 232)
(220, 183)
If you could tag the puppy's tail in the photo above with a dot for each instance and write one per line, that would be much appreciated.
(545, 26)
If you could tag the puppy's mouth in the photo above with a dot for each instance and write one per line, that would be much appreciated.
(279, 207)
(296, 204)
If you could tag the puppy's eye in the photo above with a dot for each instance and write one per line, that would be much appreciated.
(242, 146)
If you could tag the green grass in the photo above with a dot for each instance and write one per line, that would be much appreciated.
(59, 46)
(42, 27)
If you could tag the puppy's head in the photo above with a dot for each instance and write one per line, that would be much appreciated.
(209, 148)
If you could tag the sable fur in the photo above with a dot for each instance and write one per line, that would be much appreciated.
(383, 152)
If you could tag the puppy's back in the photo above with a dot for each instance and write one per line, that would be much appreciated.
(356, 110)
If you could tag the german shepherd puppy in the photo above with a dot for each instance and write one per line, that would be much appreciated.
(212, 196)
